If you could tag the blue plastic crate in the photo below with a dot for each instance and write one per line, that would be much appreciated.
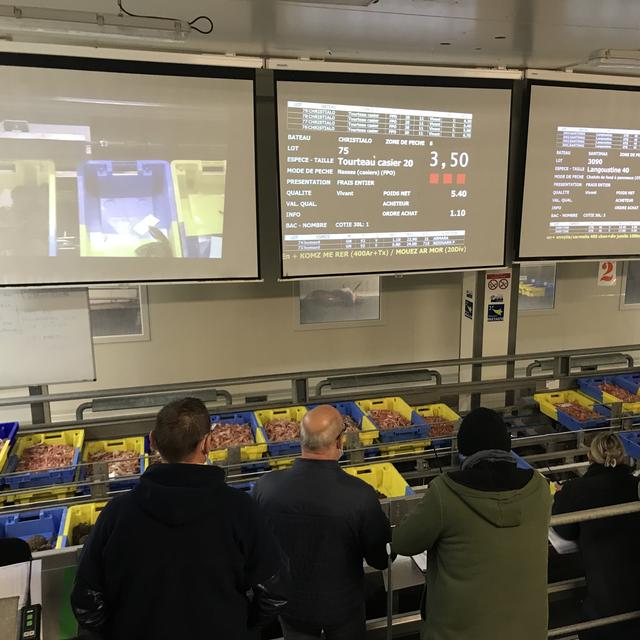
(631, 442)
(46, 522)
(419, 430)
(591, 387)
(250, 452)
(125, 205)
(629, 382)
(350, 409)
(575, 425)
(8, 433)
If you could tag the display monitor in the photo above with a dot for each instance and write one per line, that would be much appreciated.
(382, 178)
(582, 177)
(136, 172)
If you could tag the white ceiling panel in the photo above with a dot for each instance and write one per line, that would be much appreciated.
(535, 33)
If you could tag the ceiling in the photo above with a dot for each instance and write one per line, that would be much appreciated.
(520, 33)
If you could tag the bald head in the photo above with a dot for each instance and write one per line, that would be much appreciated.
(320, 429)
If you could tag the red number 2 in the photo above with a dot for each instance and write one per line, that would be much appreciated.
(607, 268)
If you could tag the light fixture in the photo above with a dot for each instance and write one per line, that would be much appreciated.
(344, 3)
(623, 61)
(36, 20)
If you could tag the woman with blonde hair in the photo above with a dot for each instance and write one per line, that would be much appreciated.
(607, 545)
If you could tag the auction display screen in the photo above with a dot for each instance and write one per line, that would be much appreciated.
(126, 177)
(378, 179)
(582, 178)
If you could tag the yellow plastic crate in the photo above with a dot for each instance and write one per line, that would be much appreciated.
(390, 404)
(438, 410)
(277, 449)
(548, 401)
(80, 513)
(281, 463)
(628, 407)
(396, 447)
(45, 477)
(383, 477)
(42, 495)
(119, 444)
(74, 437)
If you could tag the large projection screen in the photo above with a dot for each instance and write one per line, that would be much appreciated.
(136, 172)
(379, 178)
(582, 177)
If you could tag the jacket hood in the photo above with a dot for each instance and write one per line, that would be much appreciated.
(502, 509)
(179, 494)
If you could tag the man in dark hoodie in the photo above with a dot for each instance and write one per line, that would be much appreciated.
(485, 530)
(176, 557)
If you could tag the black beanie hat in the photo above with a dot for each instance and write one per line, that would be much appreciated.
(483, 429)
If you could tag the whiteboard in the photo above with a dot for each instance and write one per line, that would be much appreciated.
(45, 337)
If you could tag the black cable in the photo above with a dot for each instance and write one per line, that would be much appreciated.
(191, 23)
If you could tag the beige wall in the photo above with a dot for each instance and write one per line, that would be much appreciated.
(201, 332)
(585, 314)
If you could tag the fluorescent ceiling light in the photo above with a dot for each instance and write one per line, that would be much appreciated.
(344, 3)
(65, 22)
(614, 60)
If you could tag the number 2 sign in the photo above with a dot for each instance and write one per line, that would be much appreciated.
(606, 273)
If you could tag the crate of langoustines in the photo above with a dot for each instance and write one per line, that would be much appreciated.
(43, 459)
(393, 420)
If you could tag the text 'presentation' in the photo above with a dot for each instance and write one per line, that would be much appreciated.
(380, 179)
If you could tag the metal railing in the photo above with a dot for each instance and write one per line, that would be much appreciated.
(426, 372)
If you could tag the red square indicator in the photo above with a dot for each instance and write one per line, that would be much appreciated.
(447, 178)
(434, 178)
(461, 178)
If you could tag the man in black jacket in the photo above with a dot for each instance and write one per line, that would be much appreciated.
(326, 522)
(175, 557)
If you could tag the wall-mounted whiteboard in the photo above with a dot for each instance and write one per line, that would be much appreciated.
(45, 337)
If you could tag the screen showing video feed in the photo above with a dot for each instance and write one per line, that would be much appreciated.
(126, 177)
(388, 178)
(582, 178)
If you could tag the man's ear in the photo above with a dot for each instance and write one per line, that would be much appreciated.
(152, 441)
(207, 445)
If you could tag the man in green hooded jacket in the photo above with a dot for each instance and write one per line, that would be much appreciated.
(485, 531)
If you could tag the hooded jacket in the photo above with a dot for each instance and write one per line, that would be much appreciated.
(485, 531)
(175, 558)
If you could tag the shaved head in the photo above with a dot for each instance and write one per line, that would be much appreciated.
(320, 428)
